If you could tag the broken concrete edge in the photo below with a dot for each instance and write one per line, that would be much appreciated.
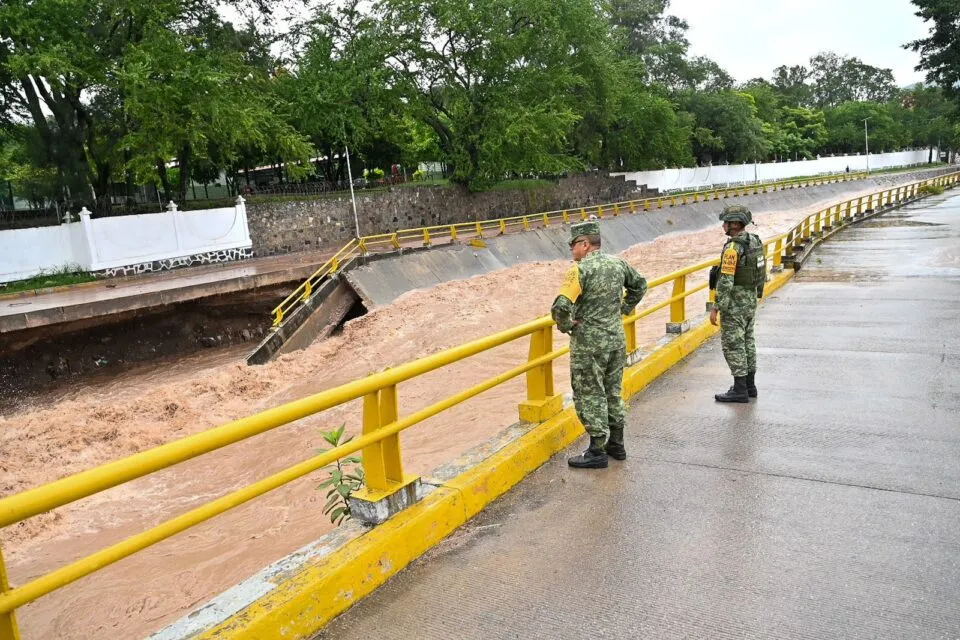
(298, 595)
(272, 345)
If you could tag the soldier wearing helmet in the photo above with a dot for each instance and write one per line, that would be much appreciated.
(598, 290)
(739, 283)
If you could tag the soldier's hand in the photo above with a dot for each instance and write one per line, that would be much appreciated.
(714, 317)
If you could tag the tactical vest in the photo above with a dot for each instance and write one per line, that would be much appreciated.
(752, 266)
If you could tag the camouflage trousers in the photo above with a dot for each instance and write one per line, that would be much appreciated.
(736, 338)
(597, 381)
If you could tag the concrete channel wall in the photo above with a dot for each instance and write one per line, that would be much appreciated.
(380, 283)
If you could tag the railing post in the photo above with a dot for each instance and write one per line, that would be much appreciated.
(806, 229)
(659, 203)
(646, 205)
(566, 217)
(678, 308)
(8, 621)
(673, 201)
(395, 240)
(426, 238)
(630, 330)
(600, 211)
(818, 224)
(503, 226)
(788, 248)
(583, 213)
(546, 220)
(526, 224)
(716, 195)
(777, 256)
(616, 210)
(363, 246)
(633, 206)
(542, 402)
(453, 233)
(387, 489)
(479, 230)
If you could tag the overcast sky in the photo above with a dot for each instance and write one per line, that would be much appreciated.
(750, 38)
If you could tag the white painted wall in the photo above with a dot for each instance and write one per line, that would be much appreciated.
(119, 241)
(673, 179)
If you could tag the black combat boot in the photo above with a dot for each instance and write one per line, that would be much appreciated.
(736, 393)
(751, 384)
(615, 448)
(593, 458)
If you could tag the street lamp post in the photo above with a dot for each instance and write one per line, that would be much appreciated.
(353, 199)
(866, 142)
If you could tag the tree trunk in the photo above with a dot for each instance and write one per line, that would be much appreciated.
(186, 154)
(164, 180)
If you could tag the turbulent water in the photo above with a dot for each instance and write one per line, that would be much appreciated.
(106, 420)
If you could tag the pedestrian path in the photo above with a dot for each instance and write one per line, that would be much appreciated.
(827, 508)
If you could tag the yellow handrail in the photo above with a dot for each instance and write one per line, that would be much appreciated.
(472, 229)
(35, 501)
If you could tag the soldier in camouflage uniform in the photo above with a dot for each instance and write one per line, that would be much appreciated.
(590, 308)
(742, 275)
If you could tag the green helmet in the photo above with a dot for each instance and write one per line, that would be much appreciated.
(736, 213)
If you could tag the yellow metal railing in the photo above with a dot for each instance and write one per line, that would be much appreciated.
(443, 234)
(382, 423)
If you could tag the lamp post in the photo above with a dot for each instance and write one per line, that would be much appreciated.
(353, 199)
(866, 142)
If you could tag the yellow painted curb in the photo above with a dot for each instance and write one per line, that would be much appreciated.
(308, 598)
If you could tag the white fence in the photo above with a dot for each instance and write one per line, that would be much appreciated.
(107, 243)
(692, 178)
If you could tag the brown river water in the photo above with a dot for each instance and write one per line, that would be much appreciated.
(108, 419)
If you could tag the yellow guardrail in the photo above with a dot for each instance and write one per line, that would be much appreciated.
(382, 423)
(428, 236)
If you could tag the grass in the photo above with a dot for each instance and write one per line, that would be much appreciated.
(61, 277)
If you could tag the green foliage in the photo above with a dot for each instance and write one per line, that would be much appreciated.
(931, 190)
(940, 50)
(170, 93)
(346, 476)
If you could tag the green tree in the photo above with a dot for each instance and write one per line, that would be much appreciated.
(791, 84)
(837, 79)
(845, 128)
(940, 51)
(497, 81)
(726, 127)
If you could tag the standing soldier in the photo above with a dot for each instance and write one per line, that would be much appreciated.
(590, 308)
(743, 273)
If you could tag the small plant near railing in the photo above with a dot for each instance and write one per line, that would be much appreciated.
(930, 190)
(346, 476)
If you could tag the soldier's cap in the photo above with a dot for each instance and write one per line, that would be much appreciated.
(588, 228)
(736, 213)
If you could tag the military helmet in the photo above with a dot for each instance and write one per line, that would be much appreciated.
(736, 213)
(589, 228)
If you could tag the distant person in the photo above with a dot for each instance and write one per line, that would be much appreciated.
(589, 308)
(739, 283)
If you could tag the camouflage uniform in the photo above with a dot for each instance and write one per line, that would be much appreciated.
(742, 275)
(590, 308)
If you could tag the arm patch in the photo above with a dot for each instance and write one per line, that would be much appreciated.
(728, 264)
(571, 284)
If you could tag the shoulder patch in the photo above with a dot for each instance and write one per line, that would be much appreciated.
(728, 264)
(571, 284)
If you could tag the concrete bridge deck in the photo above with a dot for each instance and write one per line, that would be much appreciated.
(828, 508)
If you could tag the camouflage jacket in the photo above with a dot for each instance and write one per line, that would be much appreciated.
(592, 296)
(732, 298)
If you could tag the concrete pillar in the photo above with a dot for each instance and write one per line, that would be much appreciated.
(90, 241)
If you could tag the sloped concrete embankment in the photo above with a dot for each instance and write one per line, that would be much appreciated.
(380, 283)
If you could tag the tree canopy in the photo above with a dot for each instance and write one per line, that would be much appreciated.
(98, 97)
